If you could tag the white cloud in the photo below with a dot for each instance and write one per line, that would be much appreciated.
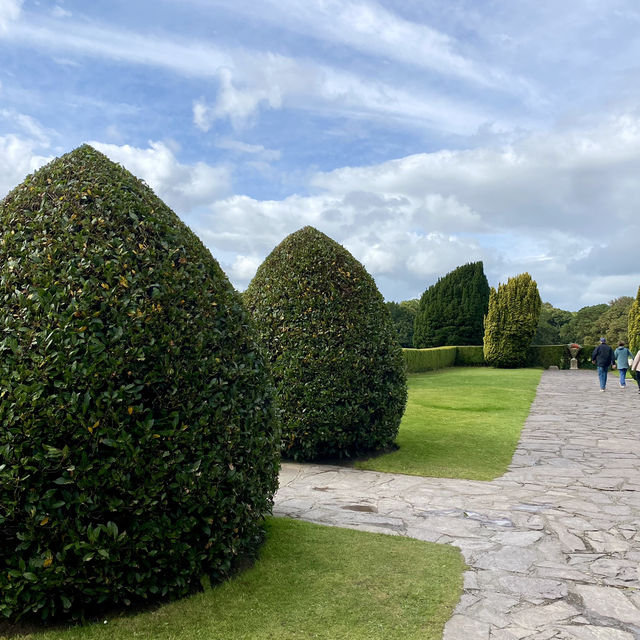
(182, 187)
(547, 204)
(244, 268)
(9, 13)
(18, 158)
(60, 12)
(253, 150)
(250, 80)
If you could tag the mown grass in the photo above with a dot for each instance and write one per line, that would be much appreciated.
(462, 422)
(311, 581)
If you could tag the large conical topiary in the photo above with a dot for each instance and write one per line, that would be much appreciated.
(511, 321)
(339, 373)
(138, 450)
(451, 312)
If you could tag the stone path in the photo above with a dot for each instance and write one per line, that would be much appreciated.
(553, 546)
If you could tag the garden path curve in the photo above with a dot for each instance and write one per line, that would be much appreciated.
(553, 546)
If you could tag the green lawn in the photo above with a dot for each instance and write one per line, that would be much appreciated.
(462, 422)
(310, 582)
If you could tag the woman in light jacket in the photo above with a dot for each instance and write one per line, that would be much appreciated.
(622, 356)
(635, 368)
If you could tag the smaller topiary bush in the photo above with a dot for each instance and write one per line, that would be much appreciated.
(419, 360)
(469, 356)
(339, 372)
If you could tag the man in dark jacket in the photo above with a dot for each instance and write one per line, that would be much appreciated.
(602, 357)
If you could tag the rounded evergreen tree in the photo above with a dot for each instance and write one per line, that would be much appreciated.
(634, 324)
(138, 446)
(339, 372)
(451, 311)
(511, 322)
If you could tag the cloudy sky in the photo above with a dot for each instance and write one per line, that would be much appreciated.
(420, 134)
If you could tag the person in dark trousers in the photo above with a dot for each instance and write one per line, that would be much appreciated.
(602, 357)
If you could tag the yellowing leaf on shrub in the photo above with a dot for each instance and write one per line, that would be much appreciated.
(44, 521)
(130, 410)
(95, 425)
(104, 285)
(48, 562)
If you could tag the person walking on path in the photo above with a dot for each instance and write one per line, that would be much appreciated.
(622, 356)
(635, 368)
(602, 357)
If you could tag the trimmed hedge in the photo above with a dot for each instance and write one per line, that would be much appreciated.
(545, 356)
(468, 356)
(419, 360)
(339, 372)
(138, 449)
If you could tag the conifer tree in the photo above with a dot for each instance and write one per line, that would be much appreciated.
(511, 322)
(634, 324)
(452, 310)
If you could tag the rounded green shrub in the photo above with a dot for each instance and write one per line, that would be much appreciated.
(339, 373)
(138, 447)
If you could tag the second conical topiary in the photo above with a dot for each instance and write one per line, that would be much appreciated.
(138, 450)
(339, 373)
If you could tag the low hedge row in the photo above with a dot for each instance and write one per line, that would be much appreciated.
(419, 360)
(544, 356)
(469, 356)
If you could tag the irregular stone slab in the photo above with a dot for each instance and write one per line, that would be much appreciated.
(465, 628)
(538, 617)
(594, 633)
(509, 559)
(608, 602)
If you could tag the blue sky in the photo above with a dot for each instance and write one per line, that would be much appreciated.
(420, 134)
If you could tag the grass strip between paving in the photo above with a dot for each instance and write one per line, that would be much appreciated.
(462, 422)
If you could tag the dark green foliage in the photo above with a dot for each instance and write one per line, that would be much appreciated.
(451, 311)
(551, 324)
(339, 372)
(138, 449)
(420, 360)
(584, 356)
(511, 322)
(469, 356)
(582, 326)
(614, 322)
(545, 356)
(634, 324)
(403, 315)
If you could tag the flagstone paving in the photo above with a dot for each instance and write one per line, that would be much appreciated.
(553, 546)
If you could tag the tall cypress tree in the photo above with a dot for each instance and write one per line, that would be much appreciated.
(634, 324)
(452, 310)
(511, 322)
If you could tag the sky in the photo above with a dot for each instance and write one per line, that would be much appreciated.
(420, 134)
